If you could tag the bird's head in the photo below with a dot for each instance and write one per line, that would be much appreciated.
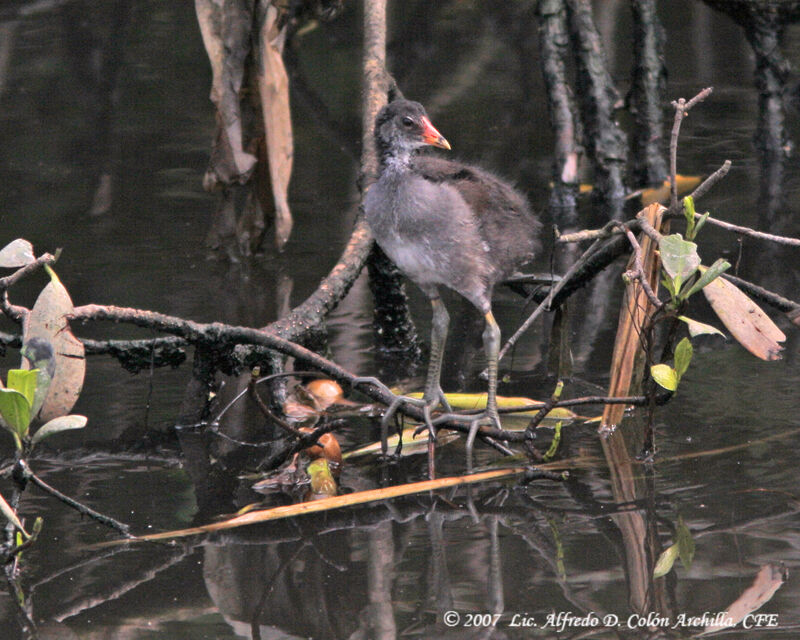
(402, 127)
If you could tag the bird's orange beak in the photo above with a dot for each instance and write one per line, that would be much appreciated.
(431, 136)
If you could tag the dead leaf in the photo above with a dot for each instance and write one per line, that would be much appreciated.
(47, 322)
(327, 448)
(636, 309)
(17, 253)
(324, 392)
(230, 161)
(412, 443)
(744, 319)
(769, 579)
(273, 87)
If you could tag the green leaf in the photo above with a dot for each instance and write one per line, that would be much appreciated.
(688, 213)
(683, 356)
(670, 286)
(708, 274)
(679, 257)
(8, 512)
(688, 208)
(699, 224)
(23, 381)
(15, 410)
(685, 544)
(700, 328)
(665, 561)
(665, 376)
(56, 425)
(39, 353)
(16, 253)
(554, 444)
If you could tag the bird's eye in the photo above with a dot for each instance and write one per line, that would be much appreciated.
(407, 122)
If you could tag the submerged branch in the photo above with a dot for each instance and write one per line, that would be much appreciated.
(28, 474)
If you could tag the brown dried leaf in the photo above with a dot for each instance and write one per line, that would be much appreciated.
(636, 309)
(273, 87)
(744, 319)
(47, 321)
(769, 579)
(17, 253)
(230, 162)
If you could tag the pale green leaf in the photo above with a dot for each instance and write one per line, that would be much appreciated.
(23, 381)
(16, 253)
(665, 376)
(669, 285)
(56, 425)
(708, 274)
(551, 452)
(700, 222)
(678, 257)
(700, 328)
(8, 512)
(688, 209)
(683, 356)
(39, 355)
(15, 410)
(665, 561)
(685, 544)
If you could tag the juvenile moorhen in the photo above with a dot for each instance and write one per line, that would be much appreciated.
(446, 223)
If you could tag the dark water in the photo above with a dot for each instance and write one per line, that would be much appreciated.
(122, 87)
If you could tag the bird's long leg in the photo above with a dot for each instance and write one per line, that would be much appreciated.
(491, 345)
(433, 395)
(439, 326)
(490, 417)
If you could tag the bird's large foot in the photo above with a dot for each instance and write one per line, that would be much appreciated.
(431, 400)
(489, 418)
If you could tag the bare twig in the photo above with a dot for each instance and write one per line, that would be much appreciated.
(681, 109)
(262, 406)
(751, 233)
(542, 413)
(711, 180)
(9, 281)
(779, 302)
(28, 474)
(546, 304)
(15, 313)
(637, 273)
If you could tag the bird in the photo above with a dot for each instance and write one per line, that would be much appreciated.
(445, 223)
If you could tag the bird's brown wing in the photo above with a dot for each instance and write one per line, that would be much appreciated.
(504, 216)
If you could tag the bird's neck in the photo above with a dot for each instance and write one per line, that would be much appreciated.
(396, 162)
(395, 154)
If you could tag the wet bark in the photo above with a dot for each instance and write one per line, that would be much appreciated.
(605, 142)
(392, 322)
(764, 23)
(252, 150)
(393, 328)
(553, 49)
(648, 96)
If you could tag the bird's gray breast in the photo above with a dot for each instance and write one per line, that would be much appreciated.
(425, 228)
